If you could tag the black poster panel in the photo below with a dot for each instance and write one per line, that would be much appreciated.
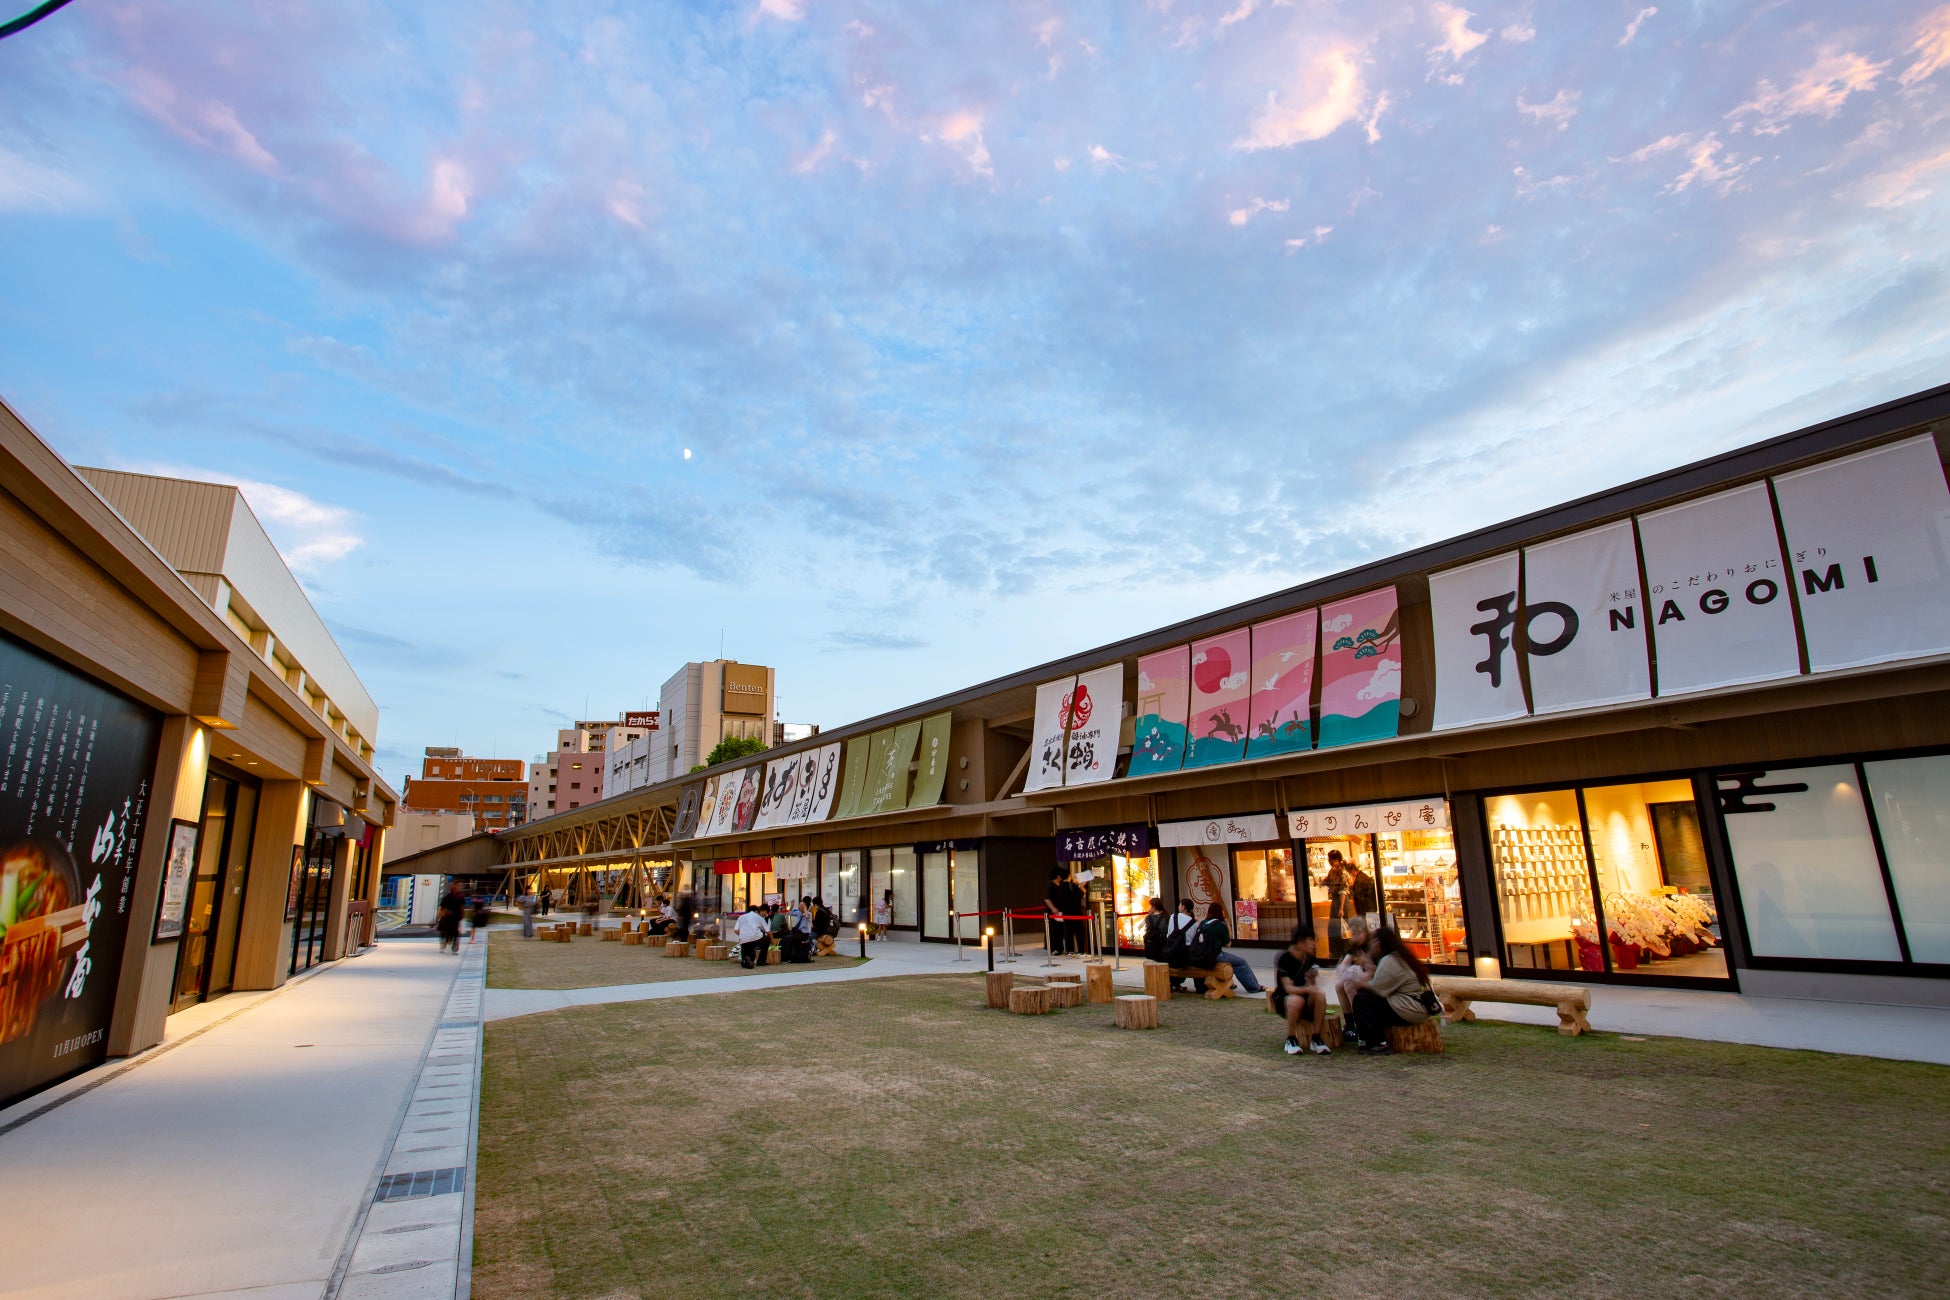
(75, 765)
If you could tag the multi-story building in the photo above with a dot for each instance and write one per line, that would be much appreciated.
(493, 790)
(573, 774)
(704, 703)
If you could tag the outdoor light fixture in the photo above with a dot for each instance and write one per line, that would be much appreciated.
(1488, 968)
(988, 945)
(863, 941)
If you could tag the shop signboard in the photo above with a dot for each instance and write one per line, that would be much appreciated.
(1475, 614)
(1220, 667)
(179, 865)
(1282, 684)
(1093, 715)
(1132, 841)
(744, 689)
(1585, 628)
(1867, 537)
(893, 753)
(1722, 614)
(1163, 707)
(1360, 669)
(795, 866)
(1248, 828)
(1205, 879)
(74, 797)
(931, 774)
(1046, 741)
(822, 784)
(853, 777)
(1369, 819)
(643, 720)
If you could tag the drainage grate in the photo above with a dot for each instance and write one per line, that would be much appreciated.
(427, 1182)
(456, 1024)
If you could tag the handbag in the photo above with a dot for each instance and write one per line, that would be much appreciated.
(1430, 1002)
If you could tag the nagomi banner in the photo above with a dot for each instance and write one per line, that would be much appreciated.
(1718, 590)
(1584, 626)
(1046, 753)
(1094, 714)
(1282, 681)
(1867, 535)
(1164, 688)
(933, 772)
(1475, 615)
(1360, 669)
(1219, 673)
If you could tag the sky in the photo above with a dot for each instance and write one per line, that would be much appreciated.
(903, 345)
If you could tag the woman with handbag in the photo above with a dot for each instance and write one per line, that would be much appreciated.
(1398, 994)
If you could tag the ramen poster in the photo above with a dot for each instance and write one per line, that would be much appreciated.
(75, 761)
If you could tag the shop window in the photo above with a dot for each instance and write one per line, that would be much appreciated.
(1264, 904)
(1136, 882)
(881, 885)
(1422, 894)
(1543, 881)
(1655, 894)
(1340, 877)
(907, 888)
(1810, 882)
(851, 882)
(935, 898)
(1911, 801)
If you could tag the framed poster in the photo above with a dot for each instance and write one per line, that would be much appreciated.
(297, 882)
(178, 868)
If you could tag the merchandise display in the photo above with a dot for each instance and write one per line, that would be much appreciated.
(1423, 894)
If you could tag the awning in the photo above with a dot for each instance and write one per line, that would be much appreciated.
(741, 866)
(1132, 841)
(1367, 818)
(1252, 828)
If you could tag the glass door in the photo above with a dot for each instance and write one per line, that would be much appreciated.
(906, 885)
(193, 951)
(935, 902)
(965, 879)
(240, 831)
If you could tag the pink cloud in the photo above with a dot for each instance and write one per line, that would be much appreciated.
(1932, 47)
(1328, 97)
(1819, 91)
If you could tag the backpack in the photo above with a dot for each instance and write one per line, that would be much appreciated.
(1175, 947)
(1201, 949)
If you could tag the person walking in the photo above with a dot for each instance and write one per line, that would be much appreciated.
(753, 938)
(1214, 933)
(526, 905)
(1295, 997)
(446, 922)
(547, 898)
(482, 916)
(1397, 995)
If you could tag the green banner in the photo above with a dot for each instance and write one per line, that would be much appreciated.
(887, 768)
(853, 777)
(933, 773)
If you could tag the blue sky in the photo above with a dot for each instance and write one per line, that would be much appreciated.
(992, 331)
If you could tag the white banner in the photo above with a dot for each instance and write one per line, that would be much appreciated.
(1046, 739)
(795, 867)
(805, 775)
(725, 814)
(1584, 622)
(775, 803)
(1096, 716)
(1867, 538)
(1370, 818)
(821, 786)
(1253, 828)
(1721, 612)
(1474, 610)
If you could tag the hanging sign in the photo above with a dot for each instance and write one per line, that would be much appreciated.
(1370, 818)
(749, 789)
(1584, 621)
(687, 806)
(1474, 610)
(1867, 537)
(775, 803)
(887, 764)
(1248, 828)
(1360, 669)
(1046, 753)
(724, 813)
(1716, 586)
(931, 771)
(1163, 706)
(1132, 841)
(1093, 715)
(853, 776)
(179, 865)
(1220, 669)
(796, 866)
(824, 783)
(1282, 684)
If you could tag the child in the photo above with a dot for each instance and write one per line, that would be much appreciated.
(1294, 996)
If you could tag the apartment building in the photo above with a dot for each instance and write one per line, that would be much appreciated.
(573, 774)
(494, 791)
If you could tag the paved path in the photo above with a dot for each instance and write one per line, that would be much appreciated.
(1897, 1033)
(239, 1158)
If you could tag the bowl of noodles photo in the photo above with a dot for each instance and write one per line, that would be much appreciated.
(40, 923)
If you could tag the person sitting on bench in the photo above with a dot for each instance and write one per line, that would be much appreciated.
(1294, 996)
(1394, 997)
(1214, 934)
(1356, 968)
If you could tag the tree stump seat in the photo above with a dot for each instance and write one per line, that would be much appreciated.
(1098, 977)
(824, 946)
(677, 948)
(1157, 980)
(1065, 994)
(1136, 1011)
(716, 951)
(1425, 1037)
(1000, 982)
(633, 937)
(1030, 1002)
(612, 936)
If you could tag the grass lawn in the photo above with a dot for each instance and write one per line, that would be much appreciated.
(895, 1138)
(589, 962)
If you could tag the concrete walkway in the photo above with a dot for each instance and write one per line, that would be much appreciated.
(239, 1158)
(1849, 1028)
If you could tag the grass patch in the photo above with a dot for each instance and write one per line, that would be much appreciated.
(589, 962)
(893, 1137)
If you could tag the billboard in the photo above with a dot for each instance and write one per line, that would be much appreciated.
(744, 689)
(75, 764)
(647, 719)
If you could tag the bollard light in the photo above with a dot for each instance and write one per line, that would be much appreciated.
(1488, 968)
(863, 941)
(988, 946)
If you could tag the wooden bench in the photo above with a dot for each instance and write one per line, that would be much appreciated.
(1573, 1002)
(824, 946)
(1218, 980)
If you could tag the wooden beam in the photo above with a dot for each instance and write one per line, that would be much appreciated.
(1022, 765)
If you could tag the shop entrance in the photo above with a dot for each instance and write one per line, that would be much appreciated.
(207, 954)
(1385, 864)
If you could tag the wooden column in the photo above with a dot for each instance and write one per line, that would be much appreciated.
(148, 974)
(341, 895)
(264, 936)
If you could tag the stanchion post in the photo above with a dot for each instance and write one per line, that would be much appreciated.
(954, 919)
(1049, 952)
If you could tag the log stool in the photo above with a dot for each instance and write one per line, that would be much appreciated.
(1099, 976)
(655, 940)
(633, 937)
(677, 948)
(1029, 1002)
(716, 951)
(1067, 994)
(585, 927)
(1000, 982)
(1157, 980)
(773, 957)
(612, 936)
(1330, 1027)
(824, 948)
(1425, 1037)
(1136, 1011)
